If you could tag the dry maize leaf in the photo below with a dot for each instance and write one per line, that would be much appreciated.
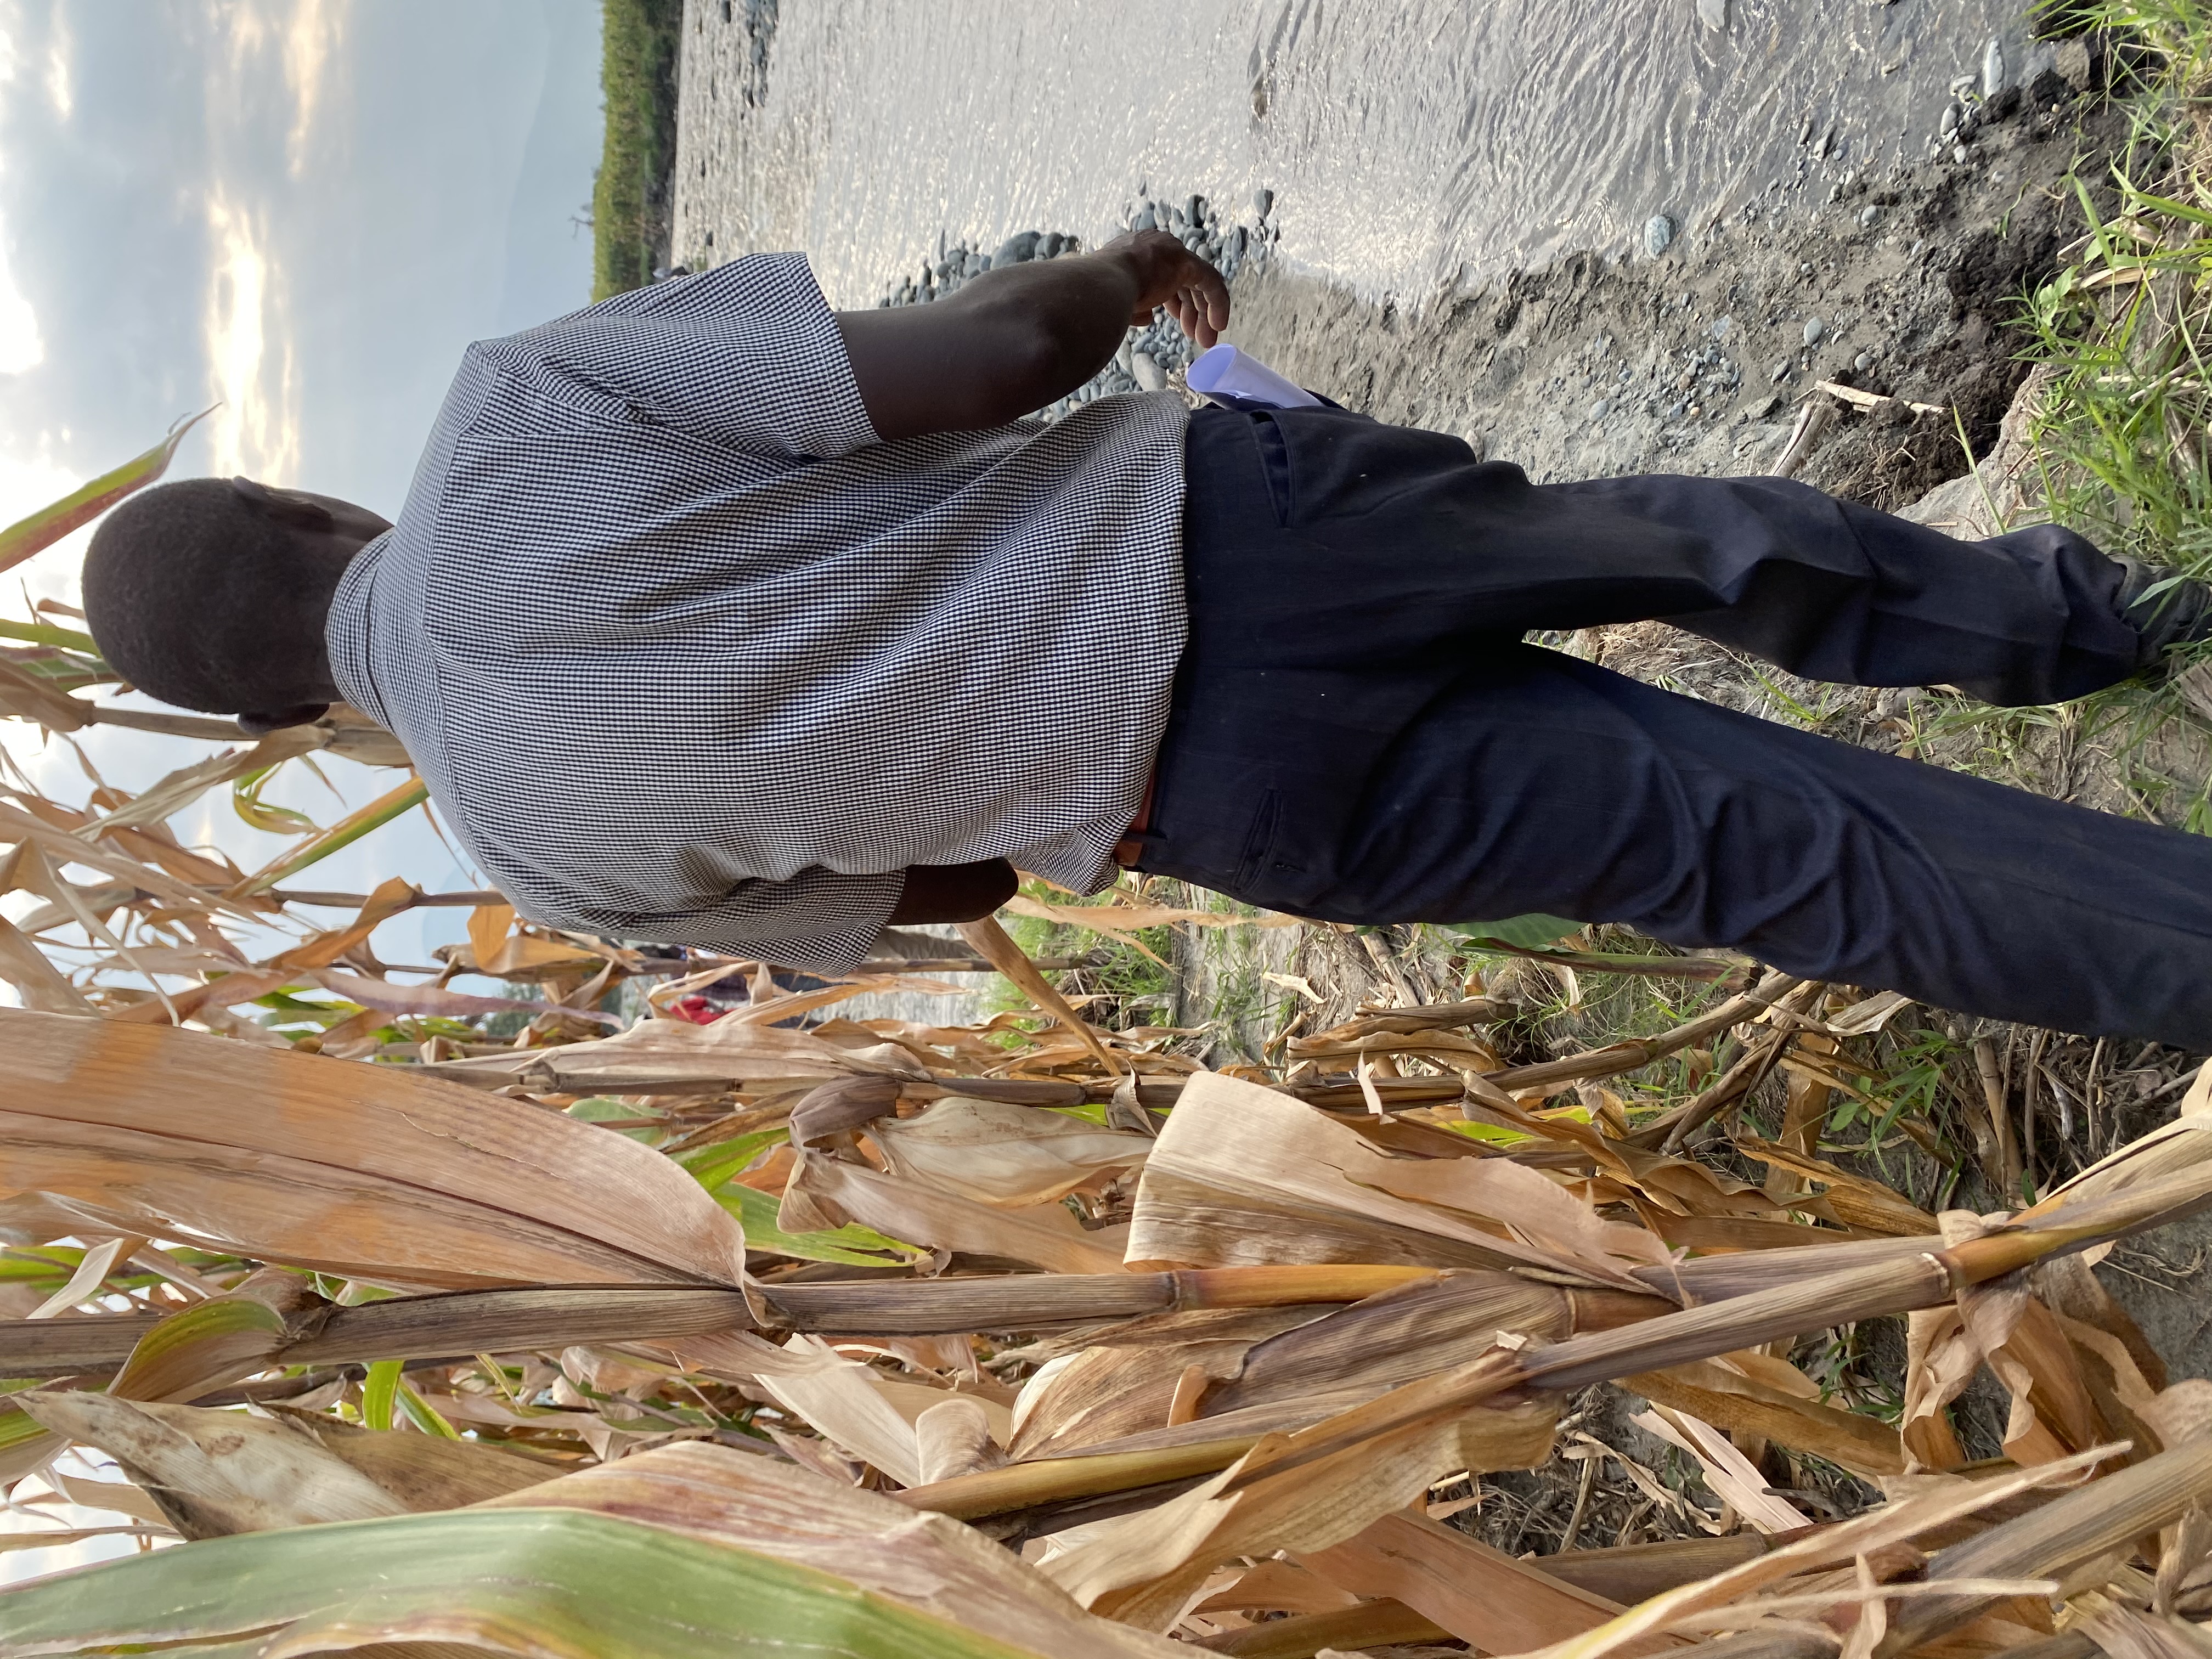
(956, 1435)
(1003, 1154)
(1856, 1201)
(1288, 1493)
(424, 1002)
(1863, 1535)
(215, 1473)
(2066, 1285)
(1731, 1475)
(1245, 1175)
(1119, 919)
(116, 1497)
(360, 1170)
(40, 984)
(1866, 1446)
(657, 1053)
(1412, 1331)
(924, 1561)
(1277, 1587)
(1480, 1595)
(423, 1471)
(1681, 1185)
(842, 1401)
(2104, 1515)
(825, 1192)
(1105, 1394)
(389, 899)
(2020, 1339)
(1536, 1208)
(20, 826)
(2180, 1145)
(187, 784)
(2121, 1632)
(992, 943)
(151, 843)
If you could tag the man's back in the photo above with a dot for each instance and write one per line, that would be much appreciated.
(684, 652)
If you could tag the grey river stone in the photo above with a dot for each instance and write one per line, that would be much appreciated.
(1658, 235)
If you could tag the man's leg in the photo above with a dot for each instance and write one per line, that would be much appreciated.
(1532, 781)
(1824, 588)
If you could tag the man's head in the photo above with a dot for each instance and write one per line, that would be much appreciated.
(213, 593)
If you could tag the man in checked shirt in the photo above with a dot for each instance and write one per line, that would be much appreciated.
(716, 617)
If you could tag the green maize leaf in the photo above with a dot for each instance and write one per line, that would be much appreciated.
(19, 540)
(714, 1164)
(598, 1109)
(424, 1415)
(514, 1581)
(1531, 932)
(346, 832)
(245, 801)
(65, 638)
(853, 1245)
(1491, 1134)
(201, 1347)
(379, 1393)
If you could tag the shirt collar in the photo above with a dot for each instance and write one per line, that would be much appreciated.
(345, 635)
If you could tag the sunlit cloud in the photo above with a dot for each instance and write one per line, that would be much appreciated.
(22, 345)
(248, 342)
(313, 32)
(61, 90)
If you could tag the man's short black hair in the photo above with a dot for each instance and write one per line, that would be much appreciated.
(197, 596)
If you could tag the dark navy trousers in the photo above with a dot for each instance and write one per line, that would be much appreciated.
(1360, 734)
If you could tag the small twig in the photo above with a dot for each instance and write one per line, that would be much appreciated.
(1812, 421)
(1628, 1056)
(1583, 1490)
(1602, 962)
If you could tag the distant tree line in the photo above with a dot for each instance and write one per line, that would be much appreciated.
(630, 197)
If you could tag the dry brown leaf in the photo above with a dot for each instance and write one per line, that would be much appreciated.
(366, 1171)
(1242, 1174)
(1480, 1595)
(1001, 1155)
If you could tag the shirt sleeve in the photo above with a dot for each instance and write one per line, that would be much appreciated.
(747, 355)
(821, 920)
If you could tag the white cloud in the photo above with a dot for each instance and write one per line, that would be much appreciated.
(21, 344)
(247, 337)
(313, 32)
(61, 90)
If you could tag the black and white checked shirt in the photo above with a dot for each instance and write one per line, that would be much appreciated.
(686, 654)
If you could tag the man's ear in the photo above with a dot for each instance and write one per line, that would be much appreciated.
(291, 511)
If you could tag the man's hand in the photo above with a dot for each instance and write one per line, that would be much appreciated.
(955, 892)
(1170, 275)
(1015, 339)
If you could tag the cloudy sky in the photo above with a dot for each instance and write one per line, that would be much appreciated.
(300, 211)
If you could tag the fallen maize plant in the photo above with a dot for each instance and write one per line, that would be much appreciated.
(386, 1315)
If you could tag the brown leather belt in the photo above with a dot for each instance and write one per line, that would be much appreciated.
(1131, 846)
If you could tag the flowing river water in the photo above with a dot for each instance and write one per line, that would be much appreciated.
(1412, 146)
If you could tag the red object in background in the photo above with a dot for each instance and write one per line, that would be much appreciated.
(696, 1009)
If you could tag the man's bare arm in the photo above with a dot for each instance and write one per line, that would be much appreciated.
(955, 892)
(1014, 340)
